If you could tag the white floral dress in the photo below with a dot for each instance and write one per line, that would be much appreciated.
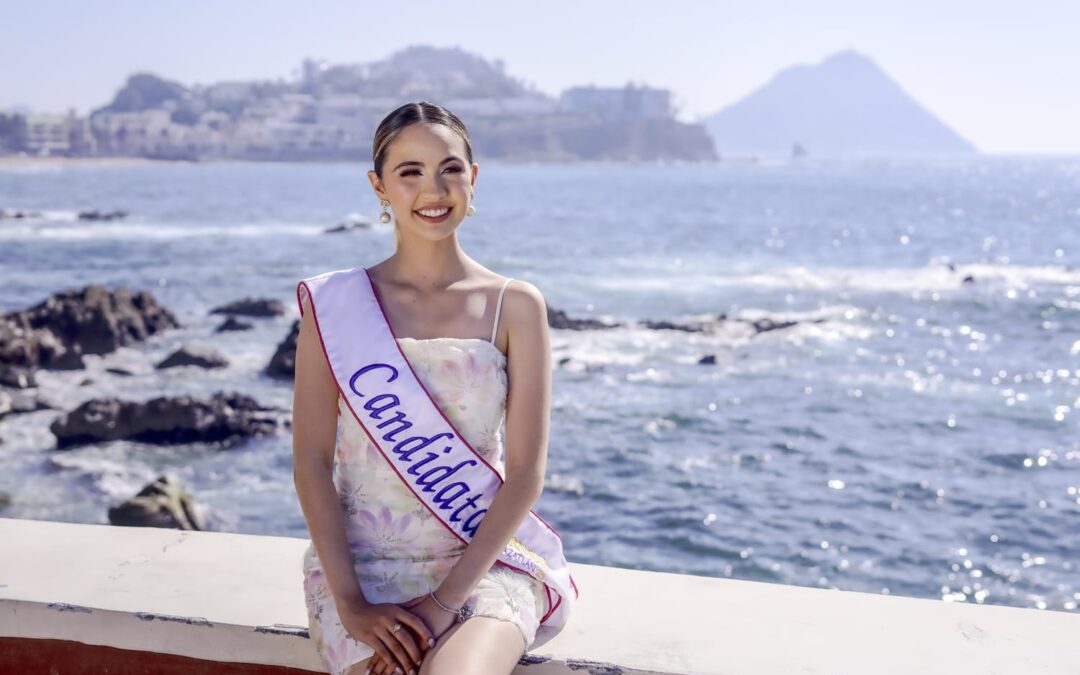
(399, 549)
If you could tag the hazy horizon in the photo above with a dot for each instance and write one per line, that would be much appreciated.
(990, 72)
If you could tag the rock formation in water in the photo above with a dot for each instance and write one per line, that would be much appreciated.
(224, 418)
(283, 362)
(59, 331)
(190, 355)
(258, 307)
(162, 503)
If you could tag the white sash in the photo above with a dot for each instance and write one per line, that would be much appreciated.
(412, 433)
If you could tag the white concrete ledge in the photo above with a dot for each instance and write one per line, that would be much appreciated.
(233, 600)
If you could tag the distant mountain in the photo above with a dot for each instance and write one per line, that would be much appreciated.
(439, 72)
(146, 91)
(844, 106)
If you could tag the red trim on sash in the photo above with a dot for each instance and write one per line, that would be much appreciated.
(378, 301)
(341, 393)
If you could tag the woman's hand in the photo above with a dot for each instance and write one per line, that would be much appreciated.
(372, 625)
(436, 618)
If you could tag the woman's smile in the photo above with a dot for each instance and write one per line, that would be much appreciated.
(433, 215)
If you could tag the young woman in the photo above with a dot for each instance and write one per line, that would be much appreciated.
(396, 580)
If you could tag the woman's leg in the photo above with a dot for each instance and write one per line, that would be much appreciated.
(482, 645)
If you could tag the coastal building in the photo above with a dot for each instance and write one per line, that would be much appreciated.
(624, 103)
(153, 133)
(509, 106)
(51, 134)
(331, 112)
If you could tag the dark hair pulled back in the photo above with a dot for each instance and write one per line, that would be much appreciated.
(411, 113)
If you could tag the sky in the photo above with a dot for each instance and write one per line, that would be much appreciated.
(1001, 74)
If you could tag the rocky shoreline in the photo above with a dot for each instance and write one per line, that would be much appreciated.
(58, 332)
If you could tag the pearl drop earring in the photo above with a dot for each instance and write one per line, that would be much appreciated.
(471, 211)
(385, 215)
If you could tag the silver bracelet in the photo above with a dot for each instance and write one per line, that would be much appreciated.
(462, 614)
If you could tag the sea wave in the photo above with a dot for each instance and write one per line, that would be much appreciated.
(858, 279)
(61, 228)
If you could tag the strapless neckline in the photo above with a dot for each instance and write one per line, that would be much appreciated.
(489, 343)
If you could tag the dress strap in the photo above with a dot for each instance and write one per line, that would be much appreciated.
(498, 308)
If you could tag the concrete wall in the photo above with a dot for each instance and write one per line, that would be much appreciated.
(80, 598)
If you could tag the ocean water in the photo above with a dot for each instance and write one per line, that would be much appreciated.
(914, 434)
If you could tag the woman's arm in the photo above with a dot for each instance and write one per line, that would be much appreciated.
(315, 405)
(528, 409)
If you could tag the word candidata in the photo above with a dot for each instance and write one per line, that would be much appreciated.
(384, 411)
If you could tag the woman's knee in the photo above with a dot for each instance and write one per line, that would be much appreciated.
(481, 645)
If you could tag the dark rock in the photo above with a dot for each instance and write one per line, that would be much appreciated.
(102, 215)
(767, 324)
(225, 418)
(969, 279)
(193, 356)
(668, 325)
(23, 350)
(163, 503)
(5, 499)
(558, 319)
(17, 214)
(122, 372)
(283, 362)
(232, 323)
(58, 332)
(707, 360)
(764, 325)
(351, 223)
(86, 382)
(564, 360)
(252, 307)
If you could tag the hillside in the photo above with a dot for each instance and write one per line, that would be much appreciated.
(330, 111)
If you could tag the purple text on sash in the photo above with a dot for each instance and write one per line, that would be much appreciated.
(375, 408)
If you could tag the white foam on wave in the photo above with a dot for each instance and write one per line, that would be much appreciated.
(901, 280)
(113, 472)
(1020, 276)
(831, 323)
(854, 279)
(839, 312)
(20, 230)
(652, 350)
(830, 331)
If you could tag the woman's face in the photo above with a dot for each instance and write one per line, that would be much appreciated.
(426, 169)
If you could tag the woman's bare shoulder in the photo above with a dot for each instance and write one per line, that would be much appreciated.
(524, 306)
